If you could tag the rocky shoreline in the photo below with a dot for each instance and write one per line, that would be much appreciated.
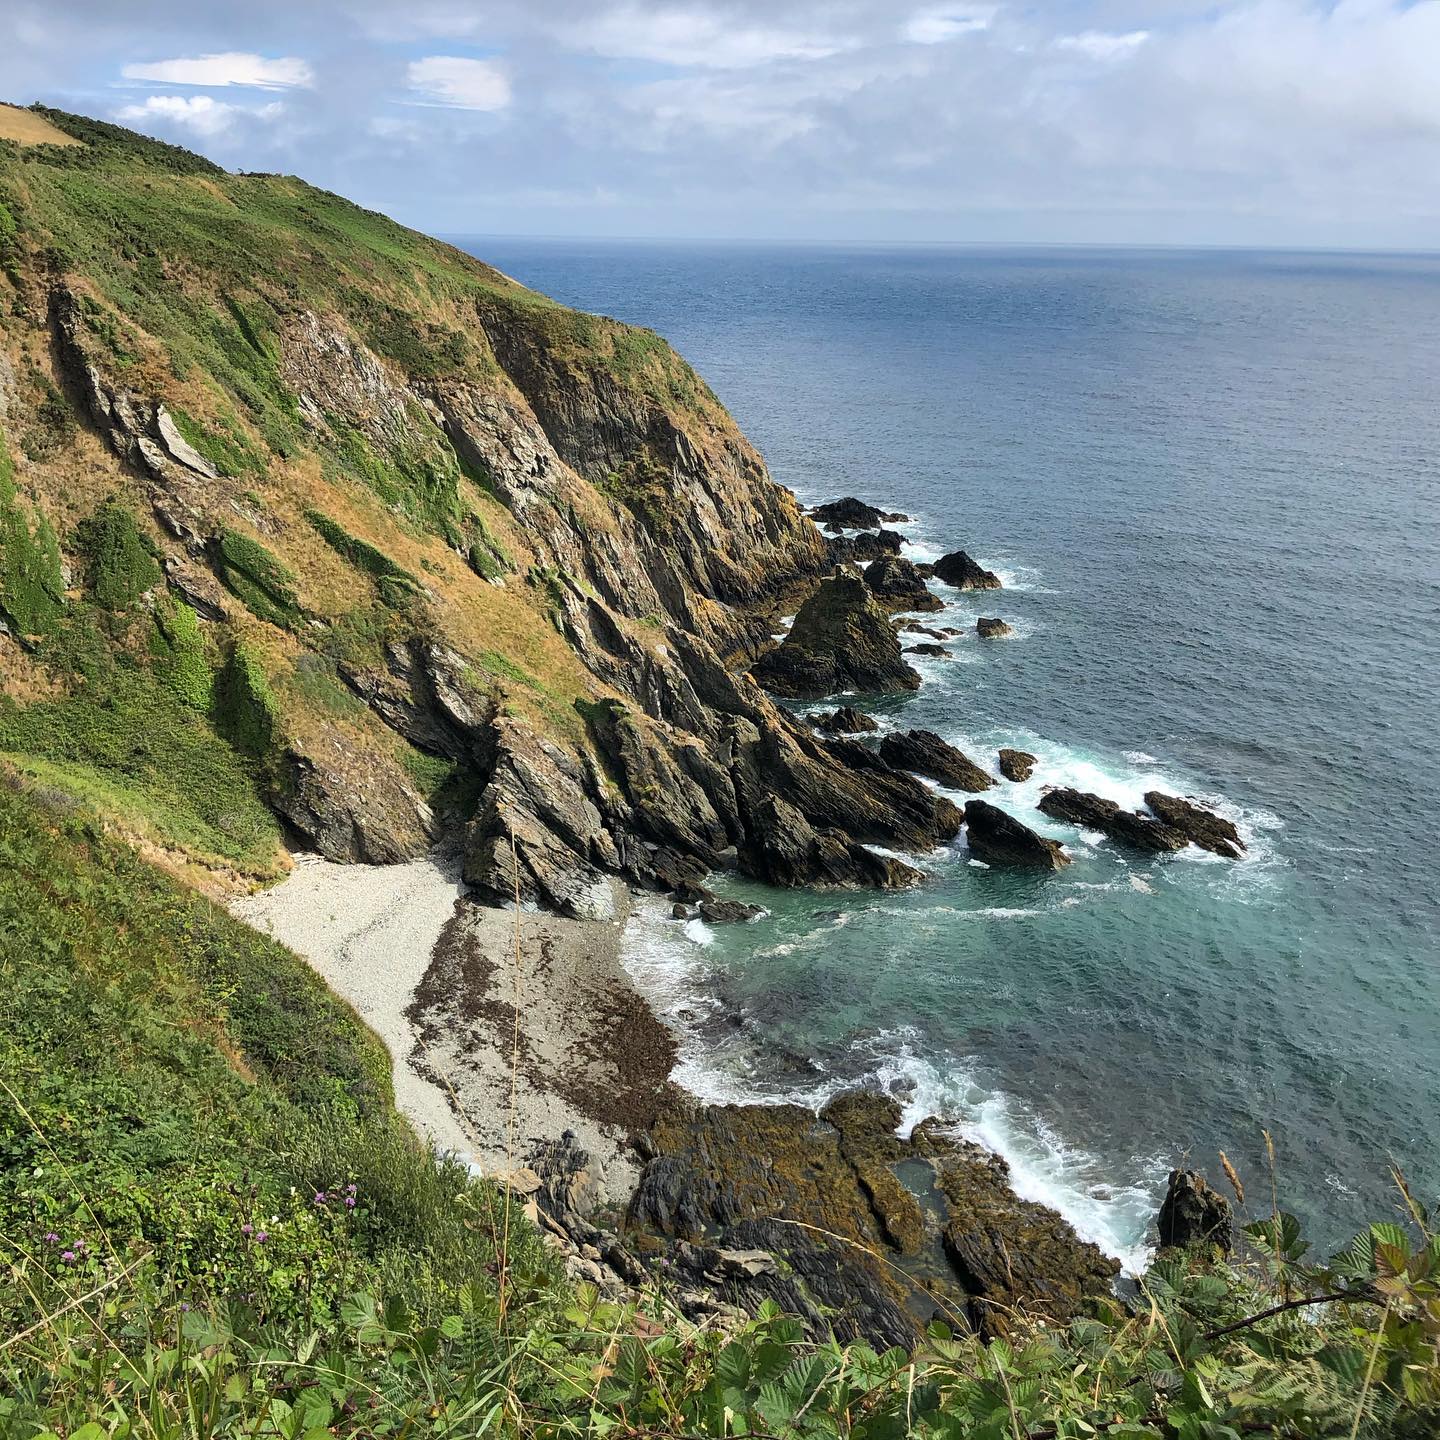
(554, 1073)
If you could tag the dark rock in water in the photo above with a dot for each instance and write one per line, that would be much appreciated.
(823, 1198)
(864, 547)
(925, 569)
(960, 570)
(1017, 765)
(852, 513)
(1193, 1213)
(1000, 839)
(1200, 826)
(679, 911)
(990, 627)
(841, 640)
(727, 912)
(845, 721)
(1139, 832)
(783, 848)
(949, 631)
(899, 586)
(924, 752)
(916, 628)
(930, 650)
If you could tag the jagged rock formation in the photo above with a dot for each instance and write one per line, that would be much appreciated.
(930, 650)
(989, 627)
(1000, 839)
(924, 752)
(841, 640)
(1200, 826)
(864, 547)
(845, 721)
(854, 514)
(959, 570)
(1017, 765)
(1193, 1213)
(897, 585)
(1126, 827)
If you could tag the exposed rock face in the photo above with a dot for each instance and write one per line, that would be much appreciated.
(769, 1179)
(783, 848)
(1200, 826)
(845, 721)
(1000, 839)
(959, 570)
(897, 585)
(841, 640)
(727, 912)
(853, 514)
(1017, 765)
(1139, 832)
(992, 628)
(927, 754)
(866, 546)
(1192, 1213)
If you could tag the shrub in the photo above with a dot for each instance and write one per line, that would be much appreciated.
(182, 659)
(252, 574)
(32, 586)
(246, 711)
(119, 559)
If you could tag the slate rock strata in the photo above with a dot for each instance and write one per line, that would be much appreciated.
(844, 721)
(1125, 827)
(990, 627)
(897, 585)
(924, 752)
(959, 570)
(999, 839)
(1193, 1213)
(1017, 765)
(1200, 826)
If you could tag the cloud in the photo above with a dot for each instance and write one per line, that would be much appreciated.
(939, 23)
(231, 68)
(694, 36)
(1098, 45)
(200, 114)
(459, 83)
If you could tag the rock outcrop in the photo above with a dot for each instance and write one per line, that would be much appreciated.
(924, 752)
(1200, 826)
(841, 640)
(1126, 827)
(1000, 839)
(959, 570)
(1017, 765)
(897, 585)
(845, 721)
(864, 547)
(854, 514)
(1193, 1213)
(989, 627)
(783, 848)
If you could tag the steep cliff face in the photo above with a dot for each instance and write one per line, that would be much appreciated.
(449, 555)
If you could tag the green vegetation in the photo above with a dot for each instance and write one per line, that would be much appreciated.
(252, 574)
(32, 589)
(181, 656)
(227, 447)
(119, 559)
(246, 711)
(394, 583)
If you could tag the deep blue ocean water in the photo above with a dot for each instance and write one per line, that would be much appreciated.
(1212, 483)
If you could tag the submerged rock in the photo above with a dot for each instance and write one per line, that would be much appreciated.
(845, 721)
(1200, 826)
(1000, 839)
(727, 912)
(1017, 765)
(1139, 832)
(924, 752)
(841, 640)
(1193, 1213)
(959, 570)
(899, 586)
(989, 627)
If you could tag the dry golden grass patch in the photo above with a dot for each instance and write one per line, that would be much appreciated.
(24, 127)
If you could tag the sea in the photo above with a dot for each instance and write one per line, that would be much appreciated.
(1210, 481)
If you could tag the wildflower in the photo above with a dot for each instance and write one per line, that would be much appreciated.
(319, 1197)
(68, 1257)
(51, 1238)
(262, 1237)
(247, 1228)
(349, 1202)
(185, 1306)
(352, 1187)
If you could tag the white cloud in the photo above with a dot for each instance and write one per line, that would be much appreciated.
(939, 23)
(198, 113)
(1100, 45)
(460, 83)
(232, 68)
(693, 36)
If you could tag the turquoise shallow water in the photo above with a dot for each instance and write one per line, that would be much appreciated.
(1211, 482)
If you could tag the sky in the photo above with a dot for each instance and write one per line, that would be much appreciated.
(1234, 122)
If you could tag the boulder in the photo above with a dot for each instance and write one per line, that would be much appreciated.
(1200, 826)
(845, 721)
(898, 585)
(989, 627)
(1000, 839)
(924, 752)
(841, 640)
(916, 628)
(1017, 765)
(1193, 1213)
(959, 570)
(727, 912)
(852, 513)
(930, 650)
(866, 546)
(1126, 827)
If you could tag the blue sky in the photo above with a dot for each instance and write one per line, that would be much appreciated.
(1264, 122)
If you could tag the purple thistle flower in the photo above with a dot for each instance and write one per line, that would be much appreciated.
(51, 1238)
(185, 1306)
(68, 1257)
(319, 1197)
(262, 1237)
(247, 1228)
(352, 1187)
(349, 1202)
